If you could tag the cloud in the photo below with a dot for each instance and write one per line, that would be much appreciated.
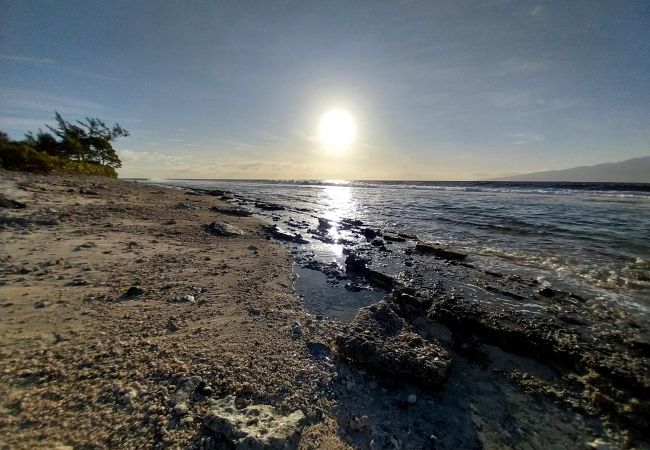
(26, 59)
(34, 101)
(51, 64)
(524, 138)
(555, 105)
(524, 66)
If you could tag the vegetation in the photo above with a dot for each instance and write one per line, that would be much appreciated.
(84, 148)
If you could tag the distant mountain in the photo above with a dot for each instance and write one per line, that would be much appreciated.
(635, 170)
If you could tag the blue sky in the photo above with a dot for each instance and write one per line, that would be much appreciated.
(439, 89)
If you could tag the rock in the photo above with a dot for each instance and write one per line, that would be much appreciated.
(324, 224)
(269, 206)
(379, 339)
(181, 409)
(282, 235)
(356, 264)
(9, 203)
(185, 388)
(412, 399)
(222, 229)
(439, 252)
(134, 291)
(253, 426)
(546, 292)
(231, 211)
(41, 304)
(187, 298)
(599, 444)
(296, 329)
(369, 233)
(393, 238)
(318, 350)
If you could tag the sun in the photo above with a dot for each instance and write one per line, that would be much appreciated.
(336, 129)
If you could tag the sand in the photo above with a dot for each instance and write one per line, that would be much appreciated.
(84, 365)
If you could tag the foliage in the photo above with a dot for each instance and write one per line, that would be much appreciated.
(82, 148)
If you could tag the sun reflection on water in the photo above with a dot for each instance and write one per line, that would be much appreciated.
(339, 202)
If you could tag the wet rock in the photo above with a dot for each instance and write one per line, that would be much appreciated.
(269, 206)
(253, 426)
(232, 211)
(134, 291)
(546, 292)
(393, 238)
(379, 339)
(222, 229)
(281, 235)
(439, 252)
(369, 233)
(356, 264)
(324, 224)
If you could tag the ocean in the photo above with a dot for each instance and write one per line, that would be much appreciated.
(592, 239)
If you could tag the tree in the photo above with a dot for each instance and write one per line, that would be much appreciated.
(89, 140)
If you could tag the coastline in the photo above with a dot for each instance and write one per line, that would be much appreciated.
(216, 323)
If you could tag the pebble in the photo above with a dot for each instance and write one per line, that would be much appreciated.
(296, 329)
(412, 399)
(181, 409)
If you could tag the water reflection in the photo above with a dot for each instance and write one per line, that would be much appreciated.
(339, 202)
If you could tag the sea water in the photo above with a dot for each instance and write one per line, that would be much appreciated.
(592, 237)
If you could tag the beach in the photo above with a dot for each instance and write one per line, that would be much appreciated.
(147, 316)
(112, 294)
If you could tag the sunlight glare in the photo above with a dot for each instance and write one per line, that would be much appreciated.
(337, 129)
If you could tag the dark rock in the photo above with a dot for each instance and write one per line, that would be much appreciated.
(222, 229)
(356, 264)
(319, 350)
(269, 206)
(232, 211)
(186, 387)
(379, 339)
(393, 238)
(439, 252)
(134, 291)
(324, 224)
(281, 235)
(546, 292)
(369, 233)
(9, 203)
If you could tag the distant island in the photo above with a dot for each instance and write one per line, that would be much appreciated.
(636, 170)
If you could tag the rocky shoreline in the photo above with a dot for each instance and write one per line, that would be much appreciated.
(141, 316)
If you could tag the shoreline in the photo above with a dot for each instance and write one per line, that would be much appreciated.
(163, 321)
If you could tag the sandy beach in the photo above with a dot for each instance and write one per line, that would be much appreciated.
(114, 299)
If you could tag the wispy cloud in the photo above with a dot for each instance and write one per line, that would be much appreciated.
(524, 66)
(35, 101)
(556, 105)
(54, 65)
(27, 59)
(524, 138)
(23, 124)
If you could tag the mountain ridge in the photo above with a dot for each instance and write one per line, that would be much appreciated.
(635, 170)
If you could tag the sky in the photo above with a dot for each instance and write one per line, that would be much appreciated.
(438, 90)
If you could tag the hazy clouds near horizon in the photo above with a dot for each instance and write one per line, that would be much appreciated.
(439, 90)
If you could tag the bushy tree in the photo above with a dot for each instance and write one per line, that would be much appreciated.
(89, 141)
(82, 147)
